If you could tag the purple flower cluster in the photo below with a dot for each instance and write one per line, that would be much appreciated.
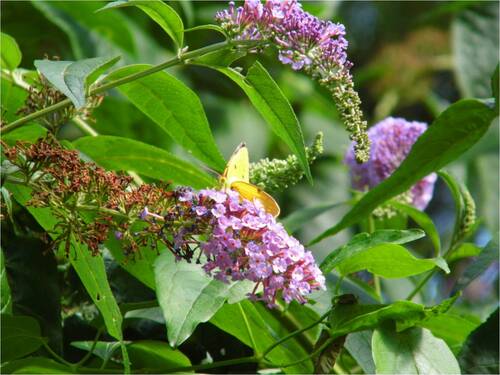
(392, 140)
(307, 43)
(303, 41)
(240, 240)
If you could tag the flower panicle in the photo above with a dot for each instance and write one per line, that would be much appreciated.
(307, 43)
(235, 239)
(392, 140)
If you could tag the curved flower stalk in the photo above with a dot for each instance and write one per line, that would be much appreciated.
(306, 43)
(235, 239)
(392, 140)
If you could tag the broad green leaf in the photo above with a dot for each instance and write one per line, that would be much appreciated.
(452, 328)
(101, 34)
(10, 55)
(271, 103)
(389, 260)
(475, 48)
(117, 153)
(465, 250)
(450, 135)
(348, 318)
(487, 256)
(174, 107)
(325, 361)
(197, 296)
(219, 59)
(258, 328)
(423, 220)
(144, 354)
(35, 365)
(5, 295)
(73, 78)
(364, 241)
(296, 219)
(160, 12)
(413, 351)
(29, 133)
(157, 355)
(12, 99)
(359, 345)
(92, 273)
(20, 336)
(480, 352)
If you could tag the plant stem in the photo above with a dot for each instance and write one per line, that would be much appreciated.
(421, 284)
(132, 77)
(376, 278)
(249, 330)
(91, 351)
(289, 336)
(313, 354)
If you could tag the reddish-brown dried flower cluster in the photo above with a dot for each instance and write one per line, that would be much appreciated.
(69, 186)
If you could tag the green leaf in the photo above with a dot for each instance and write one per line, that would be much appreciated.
(296, 219)
(10, 56)
(271, 103)
(5, 295)
(73, 78)
(359, 345)
(174, 107)
(197, 296)
(207, 27)
(391, 261)
(365, 241)
(92, 273)
(487, 256)
(258, 327)
(452, 328)
(475, 48)
(465, 250)
(12, 99)
(29, 133)
(35, 365)
(480, 352)
(347, 318)
(160, 12)
(103, 349)
(423, 220)
(117, 153)
(413, 351)
(219, 59)
(157, 355)
(20, 336)
(325, 360)
(450, 135)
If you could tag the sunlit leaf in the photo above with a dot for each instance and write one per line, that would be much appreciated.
(160, 12)
(197, 296)
(10, 55)
(117, 153)
(73, 78)
(175, 108)
(413, 351)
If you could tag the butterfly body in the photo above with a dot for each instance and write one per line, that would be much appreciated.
(236, 176)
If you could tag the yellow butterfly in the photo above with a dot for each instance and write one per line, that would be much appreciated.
(236, 177)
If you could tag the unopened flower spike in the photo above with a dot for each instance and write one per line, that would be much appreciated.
(278, 174)
(305, 43)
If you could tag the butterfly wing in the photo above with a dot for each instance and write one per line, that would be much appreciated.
(237, 168)
(251, 192)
